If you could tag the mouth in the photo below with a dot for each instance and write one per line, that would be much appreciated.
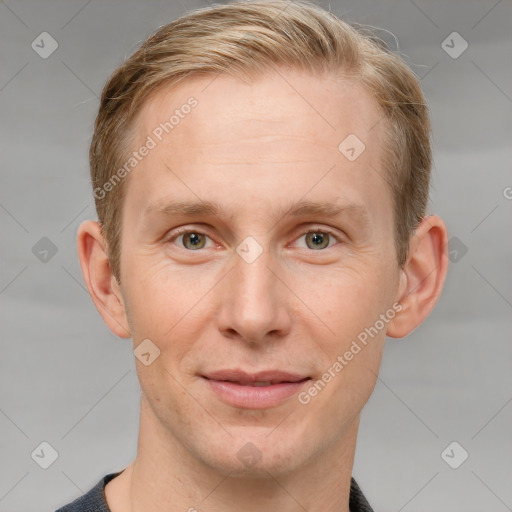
(260, 390)
(261, 384)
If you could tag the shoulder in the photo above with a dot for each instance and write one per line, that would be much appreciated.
(92, 501)
(358, 502)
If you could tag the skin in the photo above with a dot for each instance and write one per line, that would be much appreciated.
(255, 148)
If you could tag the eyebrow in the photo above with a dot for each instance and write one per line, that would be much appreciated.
(295, 209)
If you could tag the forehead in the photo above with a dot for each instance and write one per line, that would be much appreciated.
(321, 108)
(270, 138)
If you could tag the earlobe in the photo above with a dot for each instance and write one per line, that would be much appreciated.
(100, 282)
(422, 277)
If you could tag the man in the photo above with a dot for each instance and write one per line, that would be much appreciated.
(261, 174)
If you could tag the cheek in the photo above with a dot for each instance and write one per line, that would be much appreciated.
(353, 344)
(347, 299)
(350, 306)
(164, 303)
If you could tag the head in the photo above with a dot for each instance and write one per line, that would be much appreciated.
(258, 112)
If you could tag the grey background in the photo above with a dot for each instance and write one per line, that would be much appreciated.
(65, 379)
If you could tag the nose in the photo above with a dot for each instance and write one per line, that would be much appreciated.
(254, 301)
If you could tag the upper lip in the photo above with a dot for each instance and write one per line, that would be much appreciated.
(273, 376)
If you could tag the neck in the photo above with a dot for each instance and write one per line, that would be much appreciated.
(167, 477)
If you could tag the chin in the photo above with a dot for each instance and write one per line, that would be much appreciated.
(251, 453)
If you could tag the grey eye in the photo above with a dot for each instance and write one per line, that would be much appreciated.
(318, 239)
(196, 240)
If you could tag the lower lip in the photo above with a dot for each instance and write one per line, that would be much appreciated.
(255, 397)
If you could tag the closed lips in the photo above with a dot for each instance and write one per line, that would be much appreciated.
(265, 383)
(266, 378)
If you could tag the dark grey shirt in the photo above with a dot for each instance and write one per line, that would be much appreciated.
(94, 500)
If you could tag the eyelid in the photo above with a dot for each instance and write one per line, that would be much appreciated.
(321, 229)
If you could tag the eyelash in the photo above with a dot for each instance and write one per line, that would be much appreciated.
(184, 231)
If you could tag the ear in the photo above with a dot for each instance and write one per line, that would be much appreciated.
(422, 277)
(102, 285)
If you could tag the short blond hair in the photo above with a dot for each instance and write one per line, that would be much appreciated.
(242, 39)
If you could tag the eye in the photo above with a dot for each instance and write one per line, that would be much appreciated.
(192, 239)
(317, 239)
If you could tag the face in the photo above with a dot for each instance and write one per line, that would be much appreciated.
(265, 279)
